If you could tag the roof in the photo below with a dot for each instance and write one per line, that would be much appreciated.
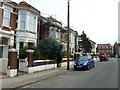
(103, 45)
(25, 4)
(53, 20)
(118, 44)
(21, 4)
(49, 21)
(13, 3)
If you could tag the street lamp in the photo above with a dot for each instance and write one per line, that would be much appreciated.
(68, 28)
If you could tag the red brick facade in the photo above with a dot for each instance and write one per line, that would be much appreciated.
(105, 48)
(12, 57)
(13, 21)
(1, 17)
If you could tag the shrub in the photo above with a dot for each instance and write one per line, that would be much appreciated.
(36, 55)
(51, 49)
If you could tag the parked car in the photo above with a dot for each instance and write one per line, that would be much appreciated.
(103, 57)
(84, 62)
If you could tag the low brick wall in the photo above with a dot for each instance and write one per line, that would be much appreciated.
(38, 65)
(45, 62)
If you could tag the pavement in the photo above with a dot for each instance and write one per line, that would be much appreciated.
(23, 79)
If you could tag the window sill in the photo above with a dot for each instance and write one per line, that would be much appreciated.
(6, 27)
(21, 30)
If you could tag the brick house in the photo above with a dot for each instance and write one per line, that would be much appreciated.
(8, 24)
(18, 26)
(26, 32)
(105, 48)
(116, 48)
(76, 42)
(93, 44)
(50, 27)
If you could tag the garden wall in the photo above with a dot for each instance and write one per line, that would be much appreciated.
(3, 65)
(38, 65)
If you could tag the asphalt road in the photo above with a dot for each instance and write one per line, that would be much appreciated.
(104, 75)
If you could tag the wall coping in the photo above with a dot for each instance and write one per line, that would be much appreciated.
(29, 51)
(12, 50)
(43, 60)
(66, 58)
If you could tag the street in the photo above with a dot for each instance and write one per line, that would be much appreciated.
(104, 75)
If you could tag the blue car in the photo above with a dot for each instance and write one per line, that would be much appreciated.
(84, 62)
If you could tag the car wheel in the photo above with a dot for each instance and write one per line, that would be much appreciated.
(93, 66)
(88, 67)
(75, 68)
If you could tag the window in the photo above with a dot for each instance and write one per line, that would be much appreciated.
(21, 45)
(57, 34)
(32, 22)
(106, 47)
(110, 47)
(22, 20)
(6, 21)
(51, 29)
(4, 41)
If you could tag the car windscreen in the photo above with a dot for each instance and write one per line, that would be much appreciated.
(84, 58)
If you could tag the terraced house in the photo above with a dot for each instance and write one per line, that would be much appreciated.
(51, 27)
(18, 27)
(21, 24)
(8, 25)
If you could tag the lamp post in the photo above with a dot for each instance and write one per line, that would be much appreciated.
(68, 54)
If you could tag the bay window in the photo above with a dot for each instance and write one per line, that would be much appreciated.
(6, 20)
(32, 22)
(22, 20)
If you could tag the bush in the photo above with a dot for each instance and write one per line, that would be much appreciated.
(22, 53)
(50, 48)
(36, 55)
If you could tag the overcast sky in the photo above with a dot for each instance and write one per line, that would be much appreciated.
(97, 18)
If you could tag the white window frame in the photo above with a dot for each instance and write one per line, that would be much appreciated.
(6, 18)
(32, 23)
(23, 21)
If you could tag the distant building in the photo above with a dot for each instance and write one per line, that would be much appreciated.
(93, 44)
(105, 48)
(72, 41)
(116, 49)
(76, 42)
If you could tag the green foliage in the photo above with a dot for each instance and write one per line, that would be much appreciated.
(36, 55)
(22, 53)
(85, 43)
(50, 49)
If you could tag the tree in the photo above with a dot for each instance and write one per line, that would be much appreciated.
(85, 43)
(50, 49)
